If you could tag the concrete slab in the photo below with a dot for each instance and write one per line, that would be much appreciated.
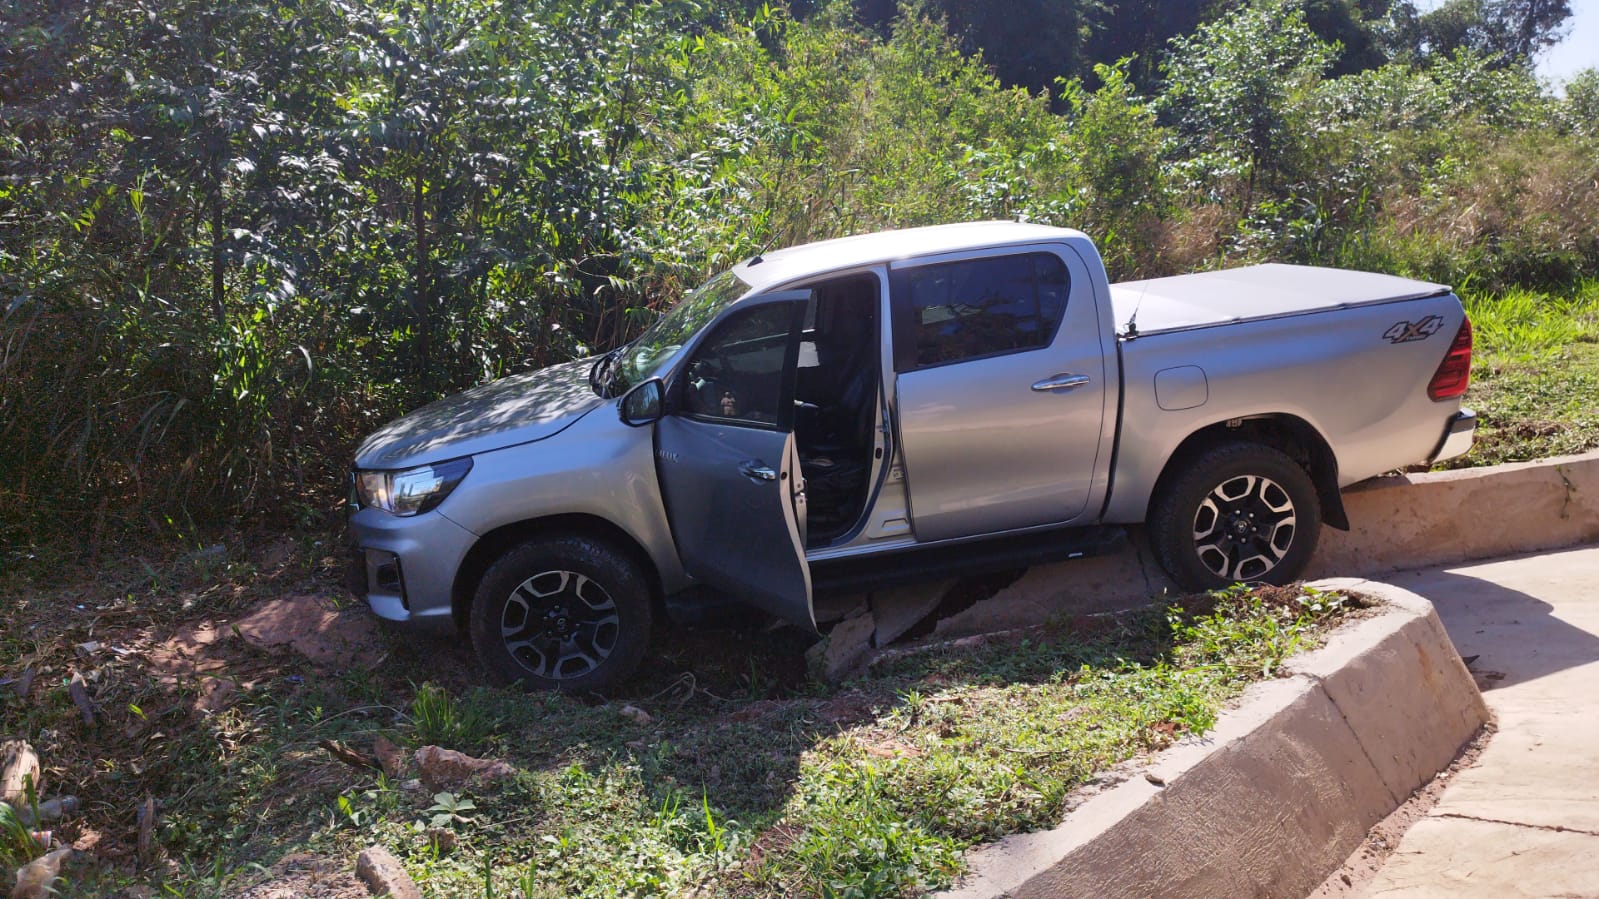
(843, 650)
(1525, 820)
(1110, 583)
(1461, 859)
(902, 608)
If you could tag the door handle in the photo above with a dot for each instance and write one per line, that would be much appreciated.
(1061, 382)
(757, 470)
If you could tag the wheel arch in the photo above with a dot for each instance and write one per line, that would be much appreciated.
(496, 542)
(1289, 434)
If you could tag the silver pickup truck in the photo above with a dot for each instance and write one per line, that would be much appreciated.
(906, 404)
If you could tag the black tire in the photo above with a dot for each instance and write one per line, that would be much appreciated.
(561, 613)
(1236, 512)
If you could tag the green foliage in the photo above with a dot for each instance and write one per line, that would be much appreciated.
(1521, 326)
(466, 724)
(17, 845)
(236, 238)
(1536, 373)
(1581, 108)
(1235, 88)
(1515, 30)
(1249, 631)
(449, 809)
(1113, 149)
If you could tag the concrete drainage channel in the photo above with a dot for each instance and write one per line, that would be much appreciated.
(1289, 782)
(1282, 790)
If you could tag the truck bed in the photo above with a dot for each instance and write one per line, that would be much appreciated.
(1254, 292)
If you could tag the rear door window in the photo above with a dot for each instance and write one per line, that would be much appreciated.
(954, 311)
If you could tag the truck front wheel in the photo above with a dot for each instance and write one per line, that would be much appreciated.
(561, 613)
(1236, 512)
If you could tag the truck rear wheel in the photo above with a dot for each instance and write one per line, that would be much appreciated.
(1236, 512)
(561, 613)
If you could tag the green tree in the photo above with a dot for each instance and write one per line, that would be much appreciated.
(1028, 43)
(1116, 150)
(1582, 101)
(1234, 89)
(1513, 30)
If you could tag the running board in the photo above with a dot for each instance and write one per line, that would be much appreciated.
(855, 574)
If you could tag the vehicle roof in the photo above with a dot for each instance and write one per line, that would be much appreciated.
(791, 264)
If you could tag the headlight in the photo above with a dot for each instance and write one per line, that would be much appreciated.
(411, 491)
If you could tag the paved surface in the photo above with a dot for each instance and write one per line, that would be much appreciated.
(1525, 820)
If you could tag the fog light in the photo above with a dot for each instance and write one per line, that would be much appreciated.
(387, 576)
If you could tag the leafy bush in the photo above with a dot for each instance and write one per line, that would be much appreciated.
(235, 238)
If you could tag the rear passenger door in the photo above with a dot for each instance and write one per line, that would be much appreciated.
(1000, 378)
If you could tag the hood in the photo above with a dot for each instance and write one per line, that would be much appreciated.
(519, 409)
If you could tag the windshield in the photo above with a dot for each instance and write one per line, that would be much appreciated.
(640, 358)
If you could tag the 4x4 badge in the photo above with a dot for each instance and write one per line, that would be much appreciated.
(1405, 332)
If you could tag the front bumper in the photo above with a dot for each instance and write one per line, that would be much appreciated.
(1457, 437)
(405, 567)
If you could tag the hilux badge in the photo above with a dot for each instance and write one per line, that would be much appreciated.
(1405, 332)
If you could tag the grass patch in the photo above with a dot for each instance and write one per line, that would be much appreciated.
(1535, 384)
(743, 779)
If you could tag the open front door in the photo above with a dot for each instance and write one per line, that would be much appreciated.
(728, 468)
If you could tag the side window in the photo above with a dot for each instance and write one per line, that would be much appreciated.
(742, 372)
(982, 307)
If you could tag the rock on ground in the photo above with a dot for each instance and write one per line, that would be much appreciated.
(390, 757)
(35, 879)
(446, 769)
(384, 875)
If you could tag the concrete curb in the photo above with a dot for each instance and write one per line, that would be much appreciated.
(1281, 791)
(1438, 518)
(1413, 521)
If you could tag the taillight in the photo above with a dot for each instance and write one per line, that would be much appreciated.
(1454, 373)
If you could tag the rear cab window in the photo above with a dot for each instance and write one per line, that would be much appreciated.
(976, 308)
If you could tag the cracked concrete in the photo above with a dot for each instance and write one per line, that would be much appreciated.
(1550, 827)
(1524, 821)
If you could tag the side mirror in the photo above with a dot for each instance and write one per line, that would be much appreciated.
(643, 404)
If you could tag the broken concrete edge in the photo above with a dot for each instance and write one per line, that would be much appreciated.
(1284, 787)
(866, 622)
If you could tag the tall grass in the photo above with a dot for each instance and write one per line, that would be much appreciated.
(1521, 325)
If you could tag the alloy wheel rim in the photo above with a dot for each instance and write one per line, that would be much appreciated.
(1244, 528)
(560, 624)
